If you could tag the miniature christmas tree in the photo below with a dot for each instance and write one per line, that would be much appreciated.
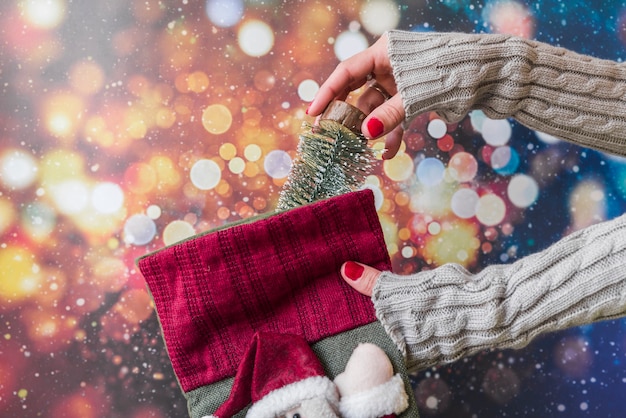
(333, 158)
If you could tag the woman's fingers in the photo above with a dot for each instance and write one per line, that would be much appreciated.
(380, 100)
(351, 74)
(369, 100)
(361, 277)
(384, 119)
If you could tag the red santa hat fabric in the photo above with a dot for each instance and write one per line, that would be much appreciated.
(278, 372)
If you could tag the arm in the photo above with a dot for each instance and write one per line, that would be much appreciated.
(571, 96)
(442, 315)
(574, 97)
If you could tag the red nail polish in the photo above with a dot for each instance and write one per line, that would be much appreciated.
(307, 109)
(353, 270)
(375, 127)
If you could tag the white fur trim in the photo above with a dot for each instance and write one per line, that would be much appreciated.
(283, 399)
(388, 398)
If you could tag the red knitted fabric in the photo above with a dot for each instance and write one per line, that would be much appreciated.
(280, 274)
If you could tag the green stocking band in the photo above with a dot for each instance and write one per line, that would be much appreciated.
(333, 352)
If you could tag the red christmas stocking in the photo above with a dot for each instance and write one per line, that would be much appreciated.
(278, 274)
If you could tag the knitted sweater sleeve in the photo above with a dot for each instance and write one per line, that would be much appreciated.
(444, 314)
(571, 96)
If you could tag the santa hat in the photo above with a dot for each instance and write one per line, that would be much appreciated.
(278, 372)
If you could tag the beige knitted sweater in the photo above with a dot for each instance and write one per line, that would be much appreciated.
(571, 96)
(441, 315)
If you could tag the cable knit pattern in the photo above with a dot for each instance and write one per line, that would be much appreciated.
(571, 96)
(441, 315)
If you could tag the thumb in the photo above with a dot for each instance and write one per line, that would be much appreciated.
(384, 119)
(361, 277)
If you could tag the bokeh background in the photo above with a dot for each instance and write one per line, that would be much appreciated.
(129, 125)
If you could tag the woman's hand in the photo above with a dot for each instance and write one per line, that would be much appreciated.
(361, 277)
(385, 116)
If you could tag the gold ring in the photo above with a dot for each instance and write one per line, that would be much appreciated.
(376, 86)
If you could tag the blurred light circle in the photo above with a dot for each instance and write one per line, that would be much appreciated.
(18, 169)
(500, 157)
(87, 77)
(477, 118)
(445, 143)
(44, 14)
(547, 138)
(140, 178)
(379, 16)
(134, 306)
(264, 80)
(7, 214)
(18, 279)
(434, 228)
(198, 81)
(107, 197)
(252, 152)
(463, 203)
(139, 230)
(153, 211)
(463, 167)
(510, 17)
(277, 164)
(373, 180)
(496, 132)
(433, 396)
(236, 165)
(177, 231)
(490, 210)
(400, 168)
(574, 358)
(349, 43)
(501, 384)
(523, 190)
(70, 196)
(255, 38)
(505, 160)
(378, 195)
(430, 171)
(227, 151)
(408, 252)
(205, 174)
(39, 220)
(307, 90)
(437, 128)
(59, 123)
(216, 119)
(224, 13)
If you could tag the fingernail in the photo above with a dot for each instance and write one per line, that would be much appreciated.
(307, 109)
(375, 127)
(353, 270)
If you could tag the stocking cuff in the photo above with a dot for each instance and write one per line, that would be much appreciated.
(292, 395)
(385, 399)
